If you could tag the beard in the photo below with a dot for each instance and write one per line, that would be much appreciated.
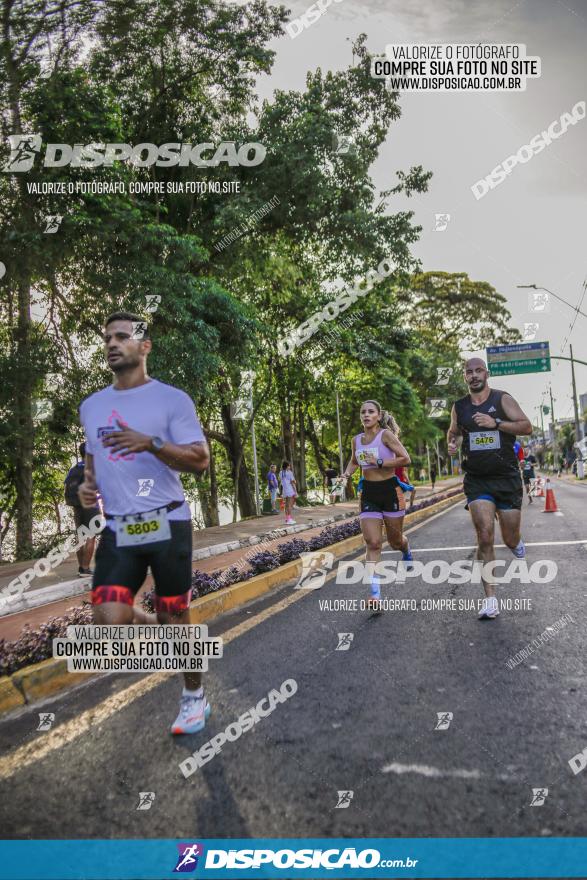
(126, 362)
(478, 385)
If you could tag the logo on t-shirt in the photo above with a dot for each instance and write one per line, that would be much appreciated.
(109, 429)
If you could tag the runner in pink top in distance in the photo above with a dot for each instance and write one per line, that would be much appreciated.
(378, 452)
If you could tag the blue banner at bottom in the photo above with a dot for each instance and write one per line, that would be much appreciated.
(288, 858)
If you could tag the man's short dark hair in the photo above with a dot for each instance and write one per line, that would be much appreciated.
(129, 316)
(82, 450)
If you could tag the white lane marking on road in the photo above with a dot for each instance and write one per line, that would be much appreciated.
(432, 518)
(497, 546)
(430, 772)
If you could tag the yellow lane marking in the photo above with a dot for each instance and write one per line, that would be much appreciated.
(71, 730)
(66, 733)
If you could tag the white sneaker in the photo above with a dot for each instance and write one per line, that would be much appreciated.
(193, 714)
(489, 608)
(290, 522)
(520, 551)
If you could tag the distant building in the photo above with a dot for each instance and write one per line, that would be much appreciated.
(583, 412)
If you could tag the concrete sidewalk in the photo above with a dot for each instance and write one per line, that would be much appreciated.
(566, 478)
(215, 548)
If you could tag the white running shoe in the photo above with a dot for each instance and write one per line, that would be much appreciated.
(290, 522)
(375, 589)
(193, 714)
(489, 608)
(520, 551)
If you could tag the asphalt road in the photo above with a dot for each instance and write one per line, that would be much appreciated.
(362, 720)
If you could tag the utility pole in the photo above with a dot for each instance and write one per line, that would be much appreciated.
(578, 432)
(542, 426)
(554, 447)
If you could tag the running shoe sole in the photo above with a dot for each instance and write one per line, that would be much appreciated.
(488, 615)
(178, 731)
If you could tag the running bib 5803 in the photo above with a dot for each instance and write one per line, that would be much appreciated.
(479, 441)
(143, 528)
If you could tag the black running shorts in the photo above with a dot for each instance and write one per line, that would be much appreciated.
(381, 498)
(507, 493)
(125, 568)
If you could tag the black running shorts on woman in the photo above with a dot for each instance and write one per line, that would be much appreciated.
(380, 498)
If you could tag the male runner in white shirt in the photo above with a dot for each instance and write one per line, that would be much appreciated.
(139, 434)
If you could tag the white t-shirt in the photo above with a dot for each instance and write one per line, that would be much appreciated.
(138, 482)
(287, 488)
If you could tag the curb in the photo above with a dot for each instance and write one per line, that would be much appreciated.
(45, 596)
(252, 540)
(78, 586)
(50, 676)
(10, 696)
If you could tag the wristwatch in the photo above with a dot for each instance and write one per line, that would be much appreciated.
(157, 444)
(379, 462)
(498, 421)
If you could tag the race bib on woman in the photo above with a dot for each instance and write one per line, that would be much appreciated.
(362, 454)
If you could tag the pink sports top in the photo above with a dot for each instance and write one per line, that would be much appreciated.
(376, 447)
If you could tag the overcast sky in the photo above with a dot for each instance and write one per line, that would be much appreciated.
(529, 229)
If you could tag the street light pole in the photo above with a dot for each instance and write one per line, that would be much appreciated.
(556, 296)
(256, 469)
(542, 426)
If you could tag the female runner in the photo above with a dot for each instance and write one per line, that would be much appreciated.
(377, 451)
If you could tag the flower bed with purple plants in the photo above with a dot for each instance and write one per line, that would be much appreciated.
(34, 645)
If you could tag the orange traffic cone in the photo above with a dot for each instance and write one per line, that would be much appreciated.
(550, 506)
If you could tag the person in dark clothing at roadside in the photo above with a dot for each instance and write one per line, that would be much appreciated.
(81, 515)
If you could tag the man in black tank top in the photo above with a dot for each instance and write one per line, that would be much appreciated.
(486, 422)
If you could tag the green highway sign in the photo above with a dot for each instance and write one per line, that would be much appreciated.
(527, 357)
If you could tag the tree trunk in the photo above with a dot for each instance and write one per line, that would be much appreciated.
(209, 496)
(25, 434)
(287, 433)
(303, 479)
(57, 515)
(22, 336)
(318, 452)
(238, 466)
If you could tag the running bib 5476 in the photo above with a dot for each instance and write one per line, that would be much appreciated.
(143, 528)
(479, 441)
